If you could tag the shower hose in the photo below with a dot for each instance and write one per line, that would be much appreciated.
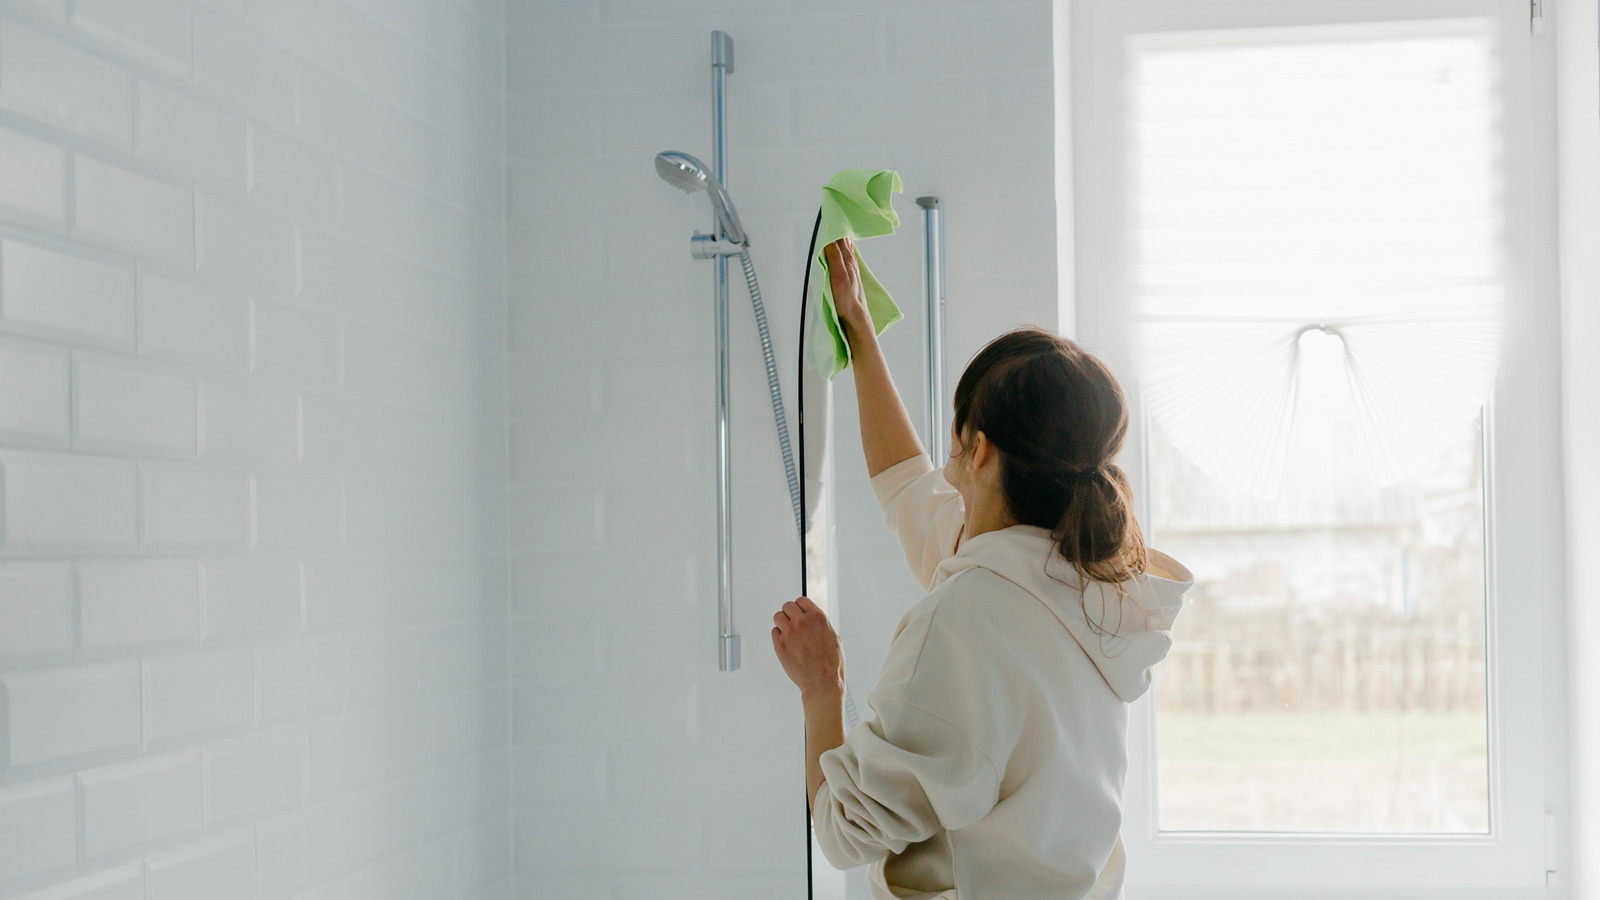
(780, 418)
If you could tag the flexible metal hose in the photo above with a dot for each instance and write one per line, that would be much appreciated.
(778, 414)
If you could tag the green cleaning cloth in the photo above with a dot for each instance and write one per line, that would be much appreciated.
(855, 204)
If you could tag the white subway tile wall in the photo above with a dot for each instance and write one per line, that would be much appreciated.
(640, 770)
(251, 256)
(334, 333)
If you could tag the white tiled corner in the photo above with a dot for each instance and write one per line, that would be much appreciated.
(480, 857)
(455, 795)
(126, 807)
(56, 293)
(178, 422)
(131, 406)
(35, 397)
(134, 603)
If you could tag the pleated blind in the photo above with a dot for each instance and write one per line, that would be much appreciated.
(1315, 240)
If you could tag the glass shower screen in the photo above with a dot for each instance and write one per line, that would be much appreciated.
(851, 566)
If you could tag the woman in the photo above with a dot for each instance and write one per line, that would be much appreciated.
(994, 766)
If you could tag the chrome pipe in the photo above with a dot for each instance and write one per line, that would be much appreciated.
(933, 307)
(727, 638)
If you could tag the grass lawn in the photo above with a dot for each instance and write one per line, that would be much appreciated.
(1415, 773)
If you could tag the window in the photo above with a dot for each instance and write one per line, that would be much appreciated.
(1307, 237)
(1315, 223)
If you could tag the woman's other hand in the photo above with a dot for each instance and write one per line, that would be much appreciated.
(849, 300)
(809, 649)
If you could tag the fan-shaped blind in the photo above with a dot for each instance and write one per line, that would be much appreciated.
(1315, 233)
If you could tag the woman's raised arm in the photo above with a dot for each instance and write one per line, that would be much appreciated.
(887, 436)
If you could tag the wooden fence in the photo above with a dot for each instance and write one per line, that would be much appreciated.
(1288, 665)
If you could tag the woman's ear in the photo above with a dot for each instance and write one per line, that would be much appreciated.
(982, 452)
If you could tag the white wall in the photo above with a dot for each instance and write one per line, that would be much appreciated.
(252, 580)
(640, 770)
(1578, 92)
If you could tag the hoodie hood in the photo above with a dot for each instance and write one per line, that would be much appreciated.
(1124, 632)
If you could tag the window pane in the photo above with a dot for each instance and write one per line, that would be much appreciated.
(1328, 671)
(1315, 282)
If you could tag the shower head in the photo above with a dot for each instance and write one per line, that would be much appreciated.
(688, 174)
(682, 171)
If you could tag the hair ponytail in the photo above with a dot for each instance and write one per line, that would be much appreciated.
(1058, 417)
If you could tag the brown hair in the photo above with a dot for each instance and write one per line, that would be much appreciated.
(1058, 417)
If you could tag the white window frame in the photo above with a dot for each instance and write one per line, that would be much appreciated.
(1524, 535)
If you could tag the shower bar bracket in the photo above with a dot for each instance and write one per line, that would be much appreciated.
(710, 246)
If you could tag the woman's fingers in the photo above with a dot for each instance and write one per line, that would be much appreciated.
(835, 258)
(841, 256)
(807, 647)
(844, 275)
(795, 613)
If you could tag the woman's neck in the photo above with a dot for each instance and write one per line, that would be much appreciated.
(986, 513)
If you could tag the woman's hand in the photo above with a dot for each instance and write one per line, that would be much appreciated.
(849, 300)
(887, 435)
(809, 649)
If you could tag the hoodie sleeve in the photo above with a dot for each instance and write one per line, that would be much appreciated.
(898, 780)
(916, 768)
(922, 509)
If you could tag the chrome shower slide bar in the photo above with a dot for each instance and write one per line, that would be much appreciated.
(727, 639)
(728, 238)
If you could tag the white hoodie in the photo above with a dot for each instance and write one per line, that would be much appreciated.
(995, 764)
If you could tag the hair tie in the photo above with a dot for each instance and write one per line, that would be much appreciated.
(1083, 476)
